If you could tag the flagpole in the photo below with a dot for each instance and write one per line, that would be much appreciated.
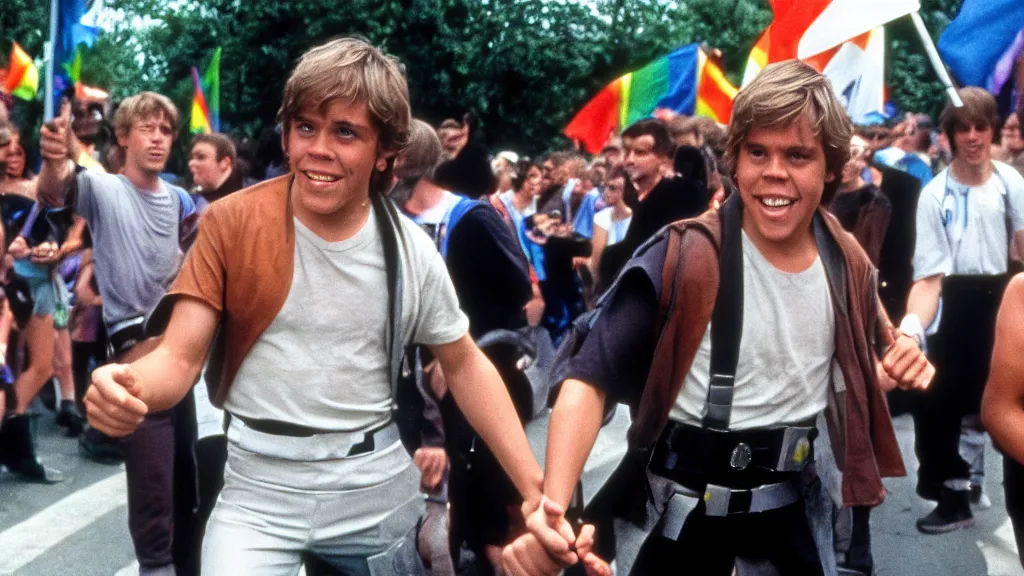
(933, 55)
(48, 100)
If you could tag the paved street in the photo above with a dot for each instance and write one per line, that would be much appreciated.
(79, 527)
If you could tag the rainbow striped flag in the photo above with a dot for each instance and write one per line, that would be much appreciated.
(684, 81)
(206, 101)
(22, 75)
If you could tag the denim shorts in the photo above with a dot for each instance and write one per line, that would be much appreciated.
(44, 298)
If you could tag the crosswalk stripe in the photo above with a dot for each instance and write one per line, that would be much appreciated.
(129, 570)
(28, 540)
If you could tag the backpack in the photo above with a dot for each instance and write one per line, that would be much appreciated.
(577, 332)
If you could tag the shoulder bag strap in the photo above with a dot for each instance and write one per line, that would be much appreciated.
(726, 319)
(391, 234)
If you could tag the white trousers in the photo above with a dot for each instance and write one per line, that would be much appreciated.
(351, 512)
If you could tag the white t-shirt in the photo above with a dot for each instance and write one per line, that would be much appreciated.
(616, 229)
(784, 369)
(323, 361)
(432, 220)
(962, 229)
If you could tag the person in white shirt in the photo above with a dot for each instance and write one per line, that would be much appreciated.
(610, 224)
(967, 218)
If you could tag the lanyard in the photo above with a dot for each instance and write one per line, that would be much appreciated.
(951, 209)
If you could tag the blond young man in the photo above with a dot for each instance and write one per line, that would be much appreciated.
(295, 273)
(138, 224)
(727, 394)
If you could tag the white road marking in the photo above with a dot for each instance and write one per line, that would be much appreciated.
(28, 540)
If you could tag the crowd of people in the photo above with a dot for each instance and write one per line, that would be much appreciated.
(322, 356)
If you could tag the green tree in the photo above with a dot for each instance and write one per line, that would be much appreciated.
(523, 67)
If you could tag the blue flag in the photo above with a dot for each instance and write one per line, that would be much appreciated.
(982, 32)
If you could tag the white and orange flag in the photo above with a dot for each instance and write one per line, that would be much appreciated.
(843, 39)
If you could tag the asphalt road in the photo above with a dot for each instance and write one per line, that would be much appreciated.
(79, 527)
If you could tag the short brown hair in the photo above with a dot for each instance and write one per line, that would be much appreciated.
(979, 109)
(423, 154)
(352, 69)
(223, 146)
(656, 129)
(683, 126)
(782, 93)
(144, 105)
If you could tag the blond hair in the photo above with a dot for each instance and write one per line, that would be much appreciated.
(779, 95)
(353, 70)
(141, 106)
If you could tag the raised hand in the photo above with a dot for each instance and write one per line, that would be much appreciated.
(112, 401)
(906, 363)
(55, 136)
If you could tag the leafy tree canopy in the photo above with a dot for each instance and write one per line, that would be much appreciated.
(524, 67)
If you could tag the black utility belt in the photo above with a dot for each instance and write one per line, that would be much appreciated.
(689, 452)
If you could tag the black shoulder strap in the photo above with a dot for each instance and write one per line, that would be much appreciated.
(391, 233)
(726, 319)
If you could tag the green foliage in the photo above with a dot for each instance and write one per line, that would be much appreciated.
(913, 84)
(523, 67)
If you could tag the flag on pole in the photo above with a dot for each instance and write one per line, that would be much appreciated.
(72, 27)
(206, 101)
(844, 20)
(685, 81)
(22, 75)
(857, 74)
(841, 39)
(199, 123)
(979, 37)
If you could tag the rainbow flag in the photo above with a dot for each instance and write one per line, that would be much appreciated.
(206, 102)
(22, 75)
(685, 81)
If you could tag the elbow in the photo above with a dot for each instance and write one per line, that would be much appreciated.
(580, 398)
(989, 410)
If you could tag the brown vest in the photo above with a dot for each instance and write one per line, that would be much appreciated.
(860, 427)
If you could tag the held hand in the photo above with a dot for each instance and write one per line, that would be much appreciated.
(526, 556)
(112, 401)
(905, 363)
(592, 563)
(886, 383)
(546, 522)
(46, 253)
(432, 463)
(54, 136)
(19, 249)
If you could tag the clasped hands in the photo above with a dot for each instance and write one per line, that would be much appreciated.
(550, 544)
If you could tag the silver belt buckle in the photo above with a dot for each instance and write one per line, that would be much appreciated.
(716, 500)
(741, 456)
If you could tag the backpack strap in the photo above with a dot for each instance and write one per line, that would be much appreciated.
(455, 215)
(391, 233)
(726, 320)
(1006, 211)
